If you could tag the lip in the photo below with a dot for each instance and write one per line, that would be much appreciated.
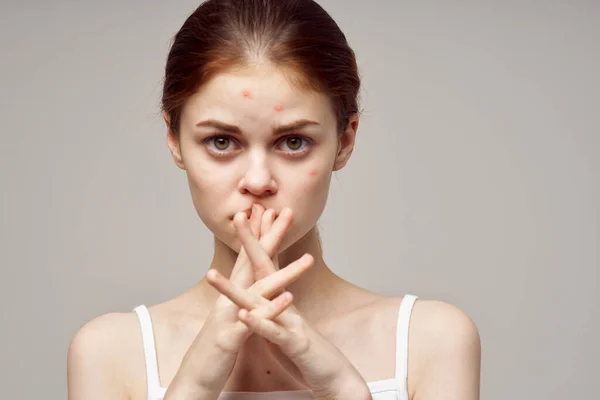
(248, 212)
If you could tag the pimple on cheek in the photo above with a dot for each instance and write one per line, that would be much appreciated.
(312, 172)
(278, 107)
(246, 93)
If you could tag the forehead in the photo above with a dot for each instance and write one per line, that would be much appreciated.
(257, 94)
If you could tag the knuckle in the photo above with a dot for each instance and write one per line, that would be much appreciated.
(282, 301)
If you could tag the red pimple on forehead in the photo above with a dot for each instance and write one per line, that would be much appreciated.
(278, 107)
(246, 93)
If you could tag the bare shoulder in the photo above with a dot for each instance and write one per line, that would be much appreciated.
(99, 356)
(444, 352)
(444, 324)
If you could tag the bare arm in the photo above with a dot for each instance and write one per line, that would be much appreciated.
(450, 355)
(92, 372)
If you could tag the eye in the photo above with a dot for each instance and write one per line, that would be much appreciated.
(223, 145)
(295, 144)
(220, 145)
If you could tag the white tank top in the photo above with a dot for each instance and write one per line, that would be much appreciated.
(387, 389)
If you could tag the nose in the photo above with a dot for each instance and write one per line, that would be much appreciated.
(258, 179)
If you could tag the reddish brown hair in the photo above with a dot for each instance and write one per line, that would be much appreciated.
(297, 36)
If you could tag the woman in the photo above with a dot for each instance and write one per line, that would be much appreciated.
(260, 103)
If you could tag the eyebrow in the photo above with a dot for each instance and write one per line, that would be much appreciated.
(293, 126)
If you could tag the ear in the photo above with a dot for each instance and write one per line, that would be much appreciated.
(173, 143)
(346, 142)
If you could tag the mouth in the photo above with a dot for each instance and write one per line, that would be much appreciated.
(248, 212)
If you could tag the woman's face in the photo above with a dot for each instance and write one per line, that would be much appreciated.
(249, 136)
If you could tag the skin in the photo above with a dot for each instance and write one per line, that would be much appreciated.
(105, 358)
(259, 167)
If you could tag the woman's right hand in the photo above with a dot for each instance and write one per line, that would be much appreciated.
(210, 359)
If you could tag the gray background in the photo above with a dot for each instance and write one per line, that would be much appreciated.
(475, 179)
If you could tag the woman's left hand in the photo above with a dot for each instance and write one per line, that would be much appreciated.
(320, 364)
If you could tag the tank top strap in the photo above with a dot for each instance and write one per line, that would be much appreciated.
(149, 351)
(404, 314)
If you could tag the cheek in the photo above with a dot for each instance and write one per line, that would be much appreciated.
(205, 177)
(208, 188)
(308, 199)
(315, 181)
(317, 174)
(314, 186)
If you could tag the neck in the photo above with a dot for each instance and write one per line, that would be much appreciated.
(313, 289)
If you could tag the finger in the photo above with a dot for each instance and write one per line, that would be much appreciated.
(256, 219)
(269, 311)
(251, 299)
(266, 328)
(274, 283)
(279, 227)
(242, 273)
(259, 258)
(276, 262)
(273, 308)
(242, 256)
(272, 238)
(267, 221)
(242, 298)
(270, 241)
